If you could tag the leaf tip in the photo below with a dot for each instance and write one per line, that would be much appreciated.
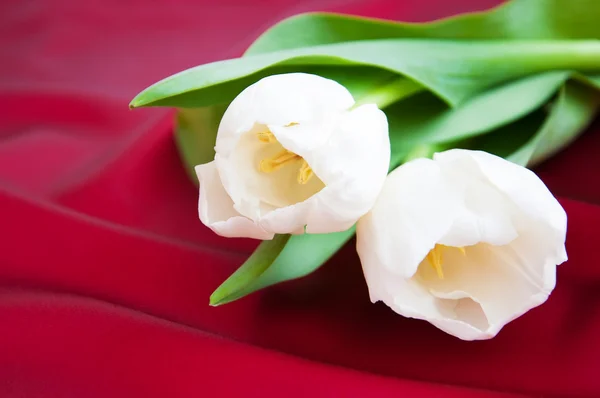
(215, 299)
(136, 102)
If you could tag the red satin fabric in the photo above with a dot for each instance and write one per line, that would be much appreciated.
(105, 271)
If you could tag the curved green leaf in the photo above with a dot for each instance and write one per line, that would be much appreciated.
(545, 131)
(250, 271)
(574, 109)
(424, 118)
(520, 19)
(507, 139)
(452, 70)
(284, 258)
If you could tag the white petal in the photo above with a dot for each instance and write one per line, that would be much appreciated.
(514, 180)
(314, 215)
(415, 209)
(216, 210)
(527, 193)
(409, 298)
(350, 153)
(494, 278)
(280, 100)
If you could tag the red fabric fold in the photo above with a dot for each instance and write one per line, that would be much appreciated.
(138, 355)
(105, 270)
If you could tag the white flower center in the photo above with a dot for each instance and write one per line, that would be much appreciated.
(283, 158)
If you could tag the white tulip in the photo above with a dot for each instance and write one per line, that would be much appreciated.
(467, 241)
(293, 156)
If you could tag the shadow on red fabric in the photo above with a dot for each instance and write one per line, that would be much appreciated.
(105, 270)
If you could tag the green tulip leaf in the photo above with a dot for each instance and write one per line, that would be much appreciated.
(284, 258)
(453, 70)
(507, 139)
(514, 20)
(543, 132)
(573, 110)
(425, 119)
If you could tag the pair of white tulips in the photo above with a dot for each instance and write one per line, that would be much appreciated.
(467, 241)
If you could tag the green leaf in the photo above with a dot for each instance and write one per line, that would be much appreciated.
(505, 140)
(521, 19)
(357, 79)
(547, 129)
(251, 270)
(574, 109)
(284, 258)
(424, 119)
(195, 135)
(452, 70)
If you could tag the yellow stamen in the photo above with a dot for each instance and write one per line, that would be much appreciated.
(266, 137)
(435, 259)
(305, 173)
(281, 159)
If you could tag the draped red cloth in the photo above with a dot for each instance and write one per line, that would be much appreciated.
(105, 270)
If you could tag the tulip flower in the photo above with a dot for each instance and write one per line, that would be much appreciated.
(467, 241)
(293, 156)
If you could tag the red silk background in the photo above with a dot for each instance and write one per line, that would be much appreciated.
(105, 270)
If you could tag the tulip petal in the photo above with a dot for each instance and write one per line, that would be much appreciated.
(493, 278)
(216, 210)
(513, 181)
(542, 219)
(408, 217)
(409, 298)
(280, 100)
(350, 153)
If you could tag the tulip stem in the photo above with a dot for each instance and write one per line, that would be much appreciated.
(390, 92)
